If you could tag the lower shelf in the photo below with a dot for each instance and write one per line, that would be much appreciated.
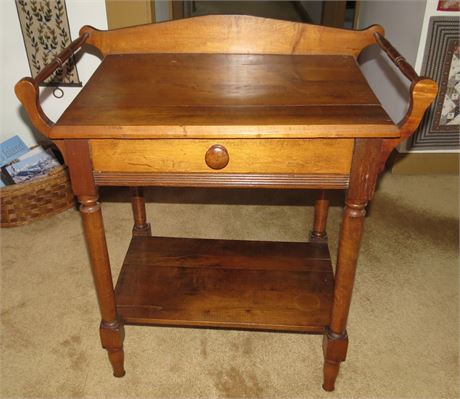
(226, 284)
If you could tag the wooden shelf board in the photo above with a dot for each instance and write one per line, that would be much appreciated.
(226, 284)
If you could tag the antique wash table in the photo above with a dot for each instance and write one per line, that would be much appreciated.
(227, 101)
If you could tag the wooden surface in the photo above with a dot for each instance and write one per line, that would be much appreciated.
(227, 284)
(218, 95)
(238, 35)
(233, 34)
(245, 156)
(223, 180)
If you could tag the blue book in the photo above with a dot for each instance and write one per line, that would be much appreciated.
(12, 149)
(36, 163)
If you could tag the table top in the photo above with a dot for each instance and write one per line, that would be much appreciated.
(225, 95)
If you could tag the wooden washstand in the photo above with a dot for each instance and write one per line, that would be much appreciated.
(228, 101)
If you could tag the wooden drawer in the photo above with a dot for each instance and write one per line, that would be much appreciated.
(268, 156)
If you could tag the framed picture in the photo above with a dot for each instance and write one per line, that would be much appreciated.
(439, 129)
(449, 5)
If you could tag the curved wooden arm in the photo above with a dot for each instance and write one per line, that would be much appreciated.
(27, 92)
(27, 89)
(422, 92)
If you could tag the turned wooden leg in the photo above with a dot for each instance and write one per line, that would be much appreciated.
(111, 329)
(335, 351)
(335, 341)
(112, 336)
(319, 225)
(141, 226)
(363, 178)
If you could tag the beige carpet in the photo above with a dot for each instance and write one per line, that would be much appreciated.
(403, 324)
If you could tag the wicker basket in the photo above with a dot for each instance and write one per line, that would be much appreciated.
(26, 202)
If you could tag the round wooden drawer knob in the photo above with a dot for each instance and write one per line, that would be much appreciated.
(217, 157)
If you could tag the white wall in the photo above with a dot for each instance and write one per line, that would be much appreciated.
(14, 66)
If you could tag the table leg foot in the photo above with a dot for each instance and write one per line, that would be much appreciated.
(117, 359)
(315, 237)
(335, 350)
(331, 370)
(112, 336)
(142, 231)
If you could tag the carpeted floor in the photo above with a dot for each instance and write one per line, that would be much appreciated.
(403, 324)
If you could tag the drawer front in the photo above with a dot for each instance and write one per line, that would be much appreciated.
(258, 156)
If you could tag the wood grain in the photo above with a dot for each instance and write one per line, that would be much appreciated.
(141, 226)
(363, 178)
(223, 180)
(205, 95)
(320, 217)
(423, 92)
(226, 284)
(26, 91)
(245, 156)
(230, 35)
(229, 122)
(211, 80)
(239, 254)
(216, 157)
(335, 348)
(235, 34)
(78, 158)
(111, 329)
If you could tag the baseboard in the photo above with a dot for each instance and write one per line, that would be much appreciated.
(424, 163)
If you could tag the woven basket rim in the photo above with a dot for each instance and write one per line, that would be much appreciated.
(24, 203)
